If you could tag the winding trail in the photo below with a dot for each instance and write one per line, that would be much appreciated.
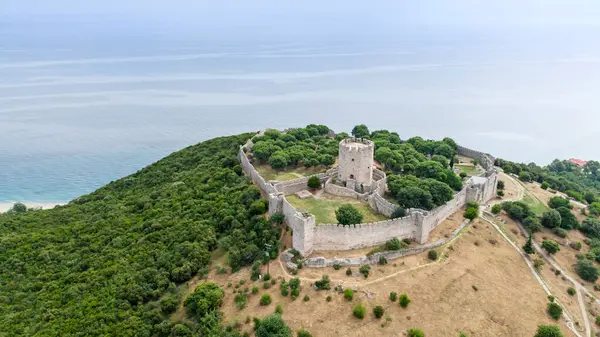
(580, 289)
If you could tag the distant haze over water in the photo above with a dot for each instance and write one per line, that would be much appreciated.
(82, 106)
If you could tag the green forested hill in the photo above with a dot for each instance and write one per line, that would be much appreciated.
(109, 262)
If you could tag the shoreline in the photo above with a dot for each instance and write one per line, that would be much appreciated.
(5, 206)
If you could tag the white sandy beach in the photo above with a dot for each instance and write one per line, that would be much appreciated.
(5, 206)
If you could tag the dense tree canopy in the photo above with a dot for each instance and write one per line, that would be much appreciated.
(103, 264)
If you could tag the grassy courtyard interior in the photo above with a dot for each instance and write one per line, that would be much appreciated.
(289, 173)
(469, 169)
(324, 205)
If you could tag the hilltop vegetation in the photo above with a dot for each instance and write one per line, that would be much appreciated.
(109, 263)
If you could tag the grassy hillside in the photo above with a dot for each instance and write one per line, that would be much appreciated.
(109, 263)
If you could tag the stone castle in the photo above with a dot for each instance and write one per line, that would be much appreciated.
(356, 177)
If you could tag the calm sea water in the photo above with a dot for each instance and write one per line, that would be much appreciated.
(77, 112)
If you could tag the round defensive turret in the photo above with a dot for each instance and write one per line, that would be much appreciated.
(355, 167)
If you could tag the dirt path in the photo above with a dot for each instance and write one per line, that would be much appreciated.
(549, 259)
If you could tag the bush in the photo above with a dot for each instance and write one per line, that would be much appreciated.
(349, 272)
(348, 294)
(359, 311)
(399, 212)
(365, 270)
(500, 193)
(348, 215)
(169, 303)
(265, 299)
(571, 291)
(471, 213)
(266, 285)
(551, 219)
(560, 232)
(323, 283)
(277, 218)
(303, 333)
(554, 310)
(415, 333)
(313, 182)
(273, 325)
(545, 185)
(496, 209)
(404, 300)
(556, 202)
(433, 255)
(241, 300)
(500, 184)
(206, 298)
(394, 244)
(586, 270)
(306, 298)
(378, 311)
(383, 260)
(576, 245)
(462, 175)
(550, 246)
(329, 298)
(393, 296)
(337, 266)
(548, 331)
(533, 224)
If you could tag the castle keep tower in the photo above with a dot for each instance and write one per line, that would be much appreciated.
(355, 169)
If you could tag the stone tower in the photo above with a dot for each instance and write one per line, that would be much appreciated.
(355, 169)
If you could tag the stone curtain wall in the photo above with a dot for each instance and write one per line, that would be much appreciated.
(297, 185)
(253, 174)
(487, 161)
(436, 216)
(378, 203)
(338, 237)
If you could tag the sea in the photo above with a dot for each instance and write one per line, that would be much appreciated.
(80, 110)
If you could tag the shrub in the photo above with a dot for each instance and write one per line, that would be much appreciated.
(349, 272)
(545, 185)
(548, 331)
(571, 291)
(378, 311)
(556, 202)
(323, 283)
(337, 266)
(348, 215)
(306, 298)
(273, 325)
(500, 184)
(497, 208)
(415, 333)
(433, 255)
(537, 264)
(500, 193)
(462, 334)
(265, 299)
(550, 246)
(399, 212)
(295, 293)
(393, 296)
(313, 182)
(303, 333)
(528, 247)
(169, 303)
(329, 298)
(365, 270)
(560, 232)
(404, 300)
(277, 218)
(267, 277)
(394, 244)
(283, 286)
(575, 245)
(266, 285)
(206, 298)
(359, 311)
(551, 219)
(383, 260)
(554, 310)
(348, 294)
(463, 175)
(241, 300)
(597, 320)
(471, 213)
(586, 270)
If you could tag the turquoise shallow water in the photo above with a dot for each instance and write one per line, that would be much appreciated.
(77, 113)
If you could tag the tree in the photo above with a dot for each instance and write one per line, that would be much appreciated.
(554, 310)
(525, 176)
(324, 283)
(450, 142)
(415, 333)
(263, 150)
(273, 326)
(550, 246)
(591, 227)
(303, 333)
(206, 297)
(414, 197)
(404, 300)
(528, 247)
(471, 213)
(279, 160)
(500, 184)
(433, 255)
(348, 215)
(314, 182)
(359, 311)
(589, 197)
(548, 331)
(496, 209)
(19, 207)
(551, 219)
(277, 218)
(567, 219)
(556, 202)
(399, 212)
(440, 159)
(327, 160)
(360, 131)
(348, 294)
(378, 311)
(265, 299)
(444, 150)
(586, 270)
(429, 169)
(533, 224)
(545, 185)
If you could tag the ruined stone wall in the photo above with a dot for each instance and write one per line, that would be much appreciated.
(338, 237)
(380, 205)
(341, 191)
(297, 185)
(253, 174)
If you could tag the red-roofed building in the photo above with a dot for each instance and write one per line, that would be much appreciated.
(578, 162)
